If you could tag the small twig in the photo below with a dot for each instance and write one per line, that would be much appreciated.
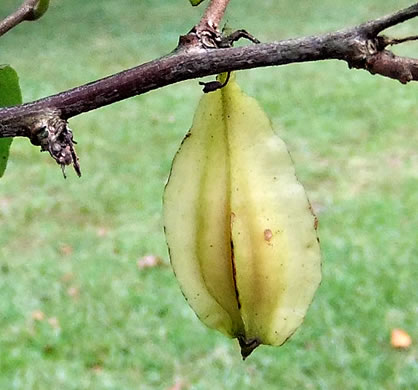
(383, 41)
(29, 10)
(376, 26)
(212, 86)
(235, 36)
(397, 41)
(213, 15)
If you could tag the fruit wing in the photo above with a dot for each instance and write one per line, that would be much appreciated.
(276, 250)
(196, 218)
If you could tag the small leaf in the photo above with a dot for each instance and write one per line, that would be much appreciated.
(400, 339)
(195, 2)
(40, 9)
(10, 95)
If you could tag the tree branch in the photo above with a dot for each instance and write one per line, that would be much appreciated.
(29, 10)
(374, 27)
(359, 46)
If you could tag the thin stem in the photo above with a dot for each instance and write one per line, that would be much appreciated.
(374, 27)
(397, 41)
(29, 10)
(213, 15)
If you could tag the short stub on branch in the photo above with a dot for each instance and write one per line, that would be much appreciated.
(53, 135)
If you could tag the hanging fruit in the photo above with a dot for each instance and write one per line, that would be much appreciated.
(240, 230)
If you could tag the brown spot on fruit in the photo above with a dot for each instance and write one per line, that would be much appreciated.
(268, 235)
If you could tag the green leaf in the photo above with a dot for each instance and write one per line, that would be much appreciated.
(10, 95)
(40, 9)
(195, 2)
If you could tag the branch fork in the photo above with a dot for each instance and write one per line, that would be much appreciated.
(207, 35)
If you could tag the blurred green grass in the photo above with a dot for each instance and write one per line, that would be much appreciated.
(69, 248)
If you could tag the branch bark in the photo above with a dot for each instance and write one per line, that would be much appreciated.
(360, 47)
(29, 10)
(213, 15)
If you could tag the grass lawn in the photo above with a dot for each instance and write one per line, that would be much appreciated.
(76, 312)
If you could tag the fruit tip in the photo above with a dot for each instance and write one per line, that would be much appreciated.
(247, 346)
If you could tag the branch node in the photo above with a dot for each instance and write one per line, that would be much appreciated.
(53, 135)
(188, 41)
(210, 38)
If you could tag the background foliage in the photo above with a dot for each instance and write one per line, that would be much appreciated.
(76, 312)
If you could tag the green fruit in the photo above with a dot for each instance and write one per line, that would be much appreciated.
(239, 227)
